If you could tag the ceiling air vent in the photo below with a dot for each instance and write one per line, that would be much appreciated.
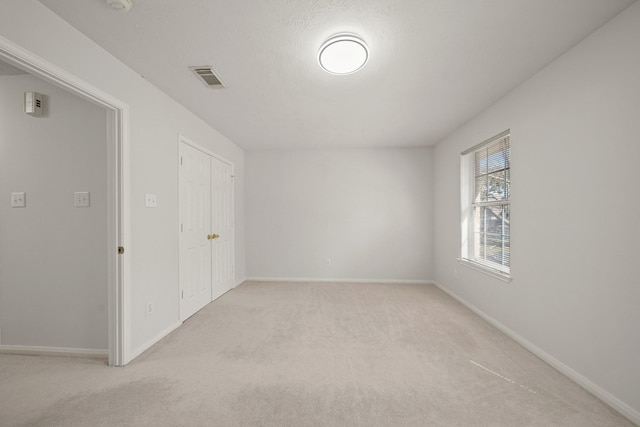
(206, 75)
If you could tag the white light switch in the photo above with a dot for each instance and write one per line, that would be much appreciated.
(150, 200)
(18, 200)
(81, 199)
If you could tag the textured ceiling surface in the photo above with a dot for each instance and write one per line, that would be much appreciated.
(433, 64)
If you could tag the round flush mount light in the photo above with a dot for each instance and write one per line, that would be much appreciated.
(343, 54)
(123, 5)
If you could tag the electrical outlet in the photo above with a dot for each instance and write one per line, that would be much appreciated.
(18, 200)
(149, 308)
(150, 200)
(81, 199)
(327, 261)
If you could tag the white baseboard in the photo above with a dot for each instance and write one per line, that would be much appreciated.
(53, 351)
(602, 394)
(324, 280)
(147, 345)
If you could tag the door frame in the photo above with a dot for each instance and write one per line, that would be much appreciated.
(187, 141)
(118, 189)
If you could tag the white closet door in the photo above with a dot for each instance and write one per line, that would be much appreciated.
(195, 230)
(222, 226)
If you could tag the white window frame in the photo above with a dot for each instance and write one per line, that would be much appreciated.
(467, 205)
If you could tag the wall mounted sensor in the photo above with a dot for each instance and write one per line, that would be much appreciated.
(33, 103)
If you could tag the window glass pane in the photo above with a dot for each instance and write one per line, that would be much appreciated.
(508, 152)
(507, 184)
(481, 189)
(496, 186)
(491, 173)
(497, 156)
(481, 162)
(492, 234)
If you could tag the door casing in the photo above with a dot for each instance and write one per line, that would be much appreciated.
(118, 187)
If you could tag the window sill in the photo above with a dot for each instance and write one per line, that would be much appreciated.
(505, 277)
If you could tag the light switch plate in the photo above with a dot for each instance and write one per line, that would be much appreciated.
(150, 200)
(81, 199)
(18, 200)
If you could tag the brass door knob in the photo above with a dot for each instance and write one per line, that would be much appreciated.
(215, 236)
(209, 236)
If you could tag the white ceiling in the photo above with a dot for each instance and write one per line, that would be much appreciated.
(434, 64)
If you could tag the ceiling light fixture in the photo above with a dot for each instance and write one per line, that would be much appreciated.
(343, 54)
(123, 5)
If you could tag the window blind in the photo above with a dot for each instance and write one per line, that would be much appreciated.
(491, 216)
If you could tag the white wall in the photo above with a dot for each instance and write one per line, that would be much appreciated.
(53, 256)
(575, 291)
(156, 121)
(575, 130)
(368, 210)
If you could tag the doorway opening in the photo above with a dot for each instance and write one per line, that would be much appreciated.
(117, 187)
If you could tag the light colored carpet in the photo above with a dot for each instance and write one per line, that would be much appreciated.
(309, 354)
